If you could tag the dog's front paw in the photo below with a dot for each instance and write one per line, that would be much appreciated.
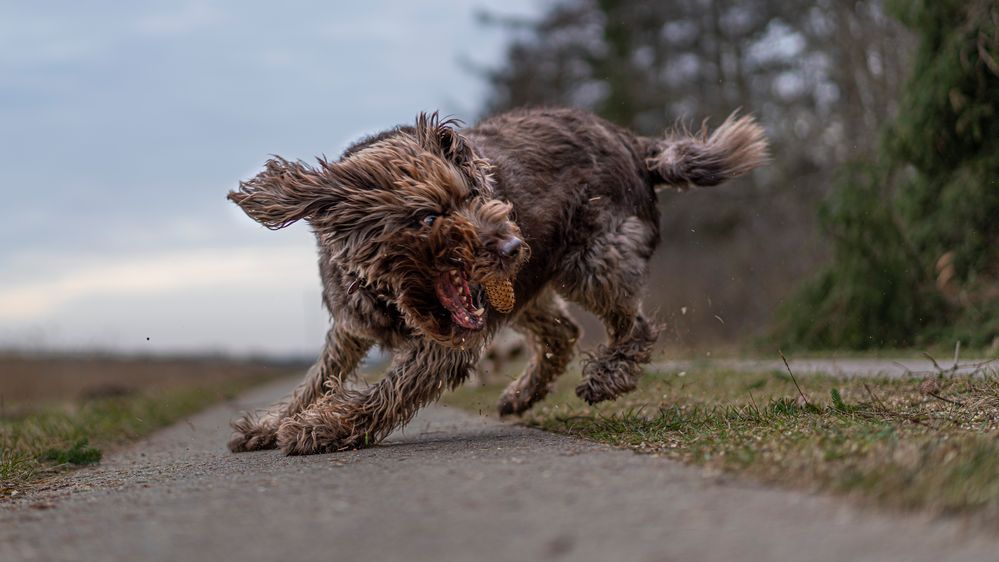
(311, 434)
(295, 437)
(252, 435)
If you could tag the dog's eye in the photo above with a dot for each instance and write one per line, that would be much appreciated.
(428, 220)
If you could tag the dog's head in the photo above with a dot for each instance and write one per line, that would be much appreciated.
(409, 213)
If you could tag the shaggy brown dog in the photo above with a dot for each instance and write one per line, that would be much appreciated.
(415, 223)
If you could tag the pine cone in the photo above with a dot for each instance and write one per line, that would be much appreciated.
(500, 295)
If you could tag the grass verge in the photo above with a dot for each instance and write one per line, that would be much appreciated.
(51, 439)
(919, 442)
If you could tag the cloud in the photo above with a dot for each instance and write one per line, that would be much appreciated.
(42, 299)
(186, 19)
(32, 42)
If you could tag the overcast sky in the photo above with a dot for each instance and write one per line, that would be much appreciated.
(124, 124)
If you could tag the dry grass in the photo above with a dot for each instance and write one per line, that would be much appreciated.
(926, 441)
(61, 412)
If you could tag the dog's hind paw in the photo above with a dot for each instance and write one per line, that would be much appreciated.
(592, 391)
(607, 379)
(511, 404)
(516, 400)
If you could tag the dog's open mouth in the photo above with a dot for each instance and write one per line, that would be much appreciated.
(465, 305)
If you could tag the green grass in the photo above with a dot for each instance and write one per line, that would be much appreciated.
(53, 438)
(763, 350)
(907, 443)
(79, 453)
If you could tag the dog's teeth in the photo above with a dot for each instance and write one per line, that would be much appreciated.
(480, 311)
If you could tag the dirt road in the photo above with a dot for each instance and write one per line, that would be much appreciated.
(450, 487)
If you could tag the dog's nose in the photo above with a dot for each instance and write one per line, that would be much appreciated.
(510, 246)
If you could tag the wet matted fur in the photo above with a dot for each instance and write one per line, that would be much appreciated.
(412, 223)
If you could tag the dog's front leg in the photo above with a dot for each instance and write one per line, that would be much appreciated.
(339, 358)
(352, 419)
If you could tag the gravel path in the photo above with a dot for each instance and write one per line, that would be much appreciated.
(451, 487)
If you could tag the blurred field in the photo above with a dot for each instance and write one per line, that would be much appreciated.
(61, 411)
(27, 379)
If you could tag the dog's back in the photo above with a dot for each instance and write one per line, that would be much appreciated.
(570, 175)
(584, 189)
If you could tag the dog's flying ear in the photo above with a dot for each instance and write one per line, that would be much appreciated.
(439, 135)
(285, 192)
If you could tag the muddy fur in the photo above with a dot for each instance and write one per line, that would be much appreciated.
(557, 201)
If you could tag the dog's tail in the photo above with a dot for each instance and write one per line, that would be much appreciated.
(683, 159)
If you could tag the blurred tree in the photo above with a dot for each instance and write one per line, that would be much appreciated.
(826, 70)
(916, 240)
(820, 74)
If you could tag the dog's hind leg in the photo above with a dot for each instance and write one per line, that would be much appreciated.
(352, 419)
(606, 278)
(339, 358)
(617, 366)
(552, 334)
